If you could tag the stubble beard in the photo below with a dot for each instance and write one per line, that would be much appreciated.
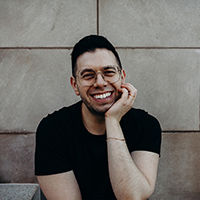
(97, 111)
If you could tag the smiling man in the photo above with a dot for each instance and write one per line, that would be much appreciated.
(100, 147)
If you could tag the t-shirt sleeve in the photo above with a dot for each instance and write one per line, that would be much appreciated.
(51, 152)
(150, 138)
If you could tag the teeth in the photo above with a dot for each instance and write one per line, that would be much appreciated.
(102, 96)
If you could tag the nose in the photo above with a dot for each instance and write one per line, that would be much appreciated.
(100, 80)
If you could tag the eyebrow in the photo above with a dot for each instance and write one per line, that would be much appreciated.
(92, 70)
(86, 70)
(109, 67)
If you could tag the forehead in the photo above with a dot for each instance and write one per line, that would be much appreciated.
(96, 59)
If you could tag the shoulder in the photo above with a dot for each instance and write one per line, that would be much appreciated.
(141, 116)
(137, 113)
(144, 131)
(135, 116)
(141, 120)
(62, 114)
(59, 119)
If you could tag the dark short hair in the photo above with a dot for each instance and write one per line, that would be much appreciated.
(90, 44)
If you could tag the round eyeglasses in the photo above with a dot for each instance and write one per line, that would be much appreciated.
(88, 76)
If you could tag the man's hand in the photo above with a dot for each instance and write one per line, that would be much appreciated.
(124, 104)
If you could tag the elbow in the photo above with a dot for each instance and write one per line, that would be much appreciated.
(136, 195)
(145, 194)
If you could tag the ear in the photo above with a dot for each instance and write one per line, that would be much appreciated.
(74, 85)
(123, 76)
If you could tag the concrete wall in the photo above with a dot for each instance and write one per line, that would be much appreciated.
(159, 45)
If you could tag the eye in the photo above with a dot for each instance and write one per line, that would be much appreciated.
(88, 75)
(109, 72)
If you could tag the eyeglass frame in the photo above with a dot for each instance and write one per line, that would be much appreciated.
(118, 70)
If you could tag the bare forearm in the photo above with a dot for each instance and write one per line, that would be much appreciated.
(127, 180)
(60, 186)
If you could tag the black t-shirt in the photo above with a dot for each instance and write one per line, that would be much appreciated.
(64, 144)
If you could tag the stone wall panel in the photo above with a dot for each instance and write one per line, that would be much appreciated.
(17, 158)
(46, 23)
(132, 23)
(168, 84)
(33, 83)
(178, 173)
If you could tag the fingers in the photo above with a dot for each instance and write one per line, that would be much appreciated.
(132, 95)
(132, 91)
(128, 95)
(124, 92)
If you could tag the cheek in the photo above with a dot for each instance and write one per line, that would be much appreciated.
(117, 87)
(83, 91)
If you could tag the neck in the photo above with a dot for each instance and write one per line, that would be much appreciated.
(94, 123)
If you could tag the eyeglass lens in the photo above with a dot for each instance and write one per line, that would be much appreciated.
(110, 74)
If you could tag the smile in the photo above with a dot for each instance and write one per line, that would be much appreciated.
(102, 96)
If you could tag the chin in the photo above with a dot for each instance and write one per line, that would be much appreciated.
(102, 110)
(99, 110)
(96, 109)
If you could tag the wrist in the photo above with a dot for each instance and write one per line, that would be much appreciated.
(114, 138)
(113, 128)
(109, 120)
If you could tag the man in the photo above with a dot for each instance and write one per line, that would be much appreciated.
(100, 147)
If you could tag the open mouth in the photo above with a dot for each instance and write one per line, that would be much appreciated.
(102, 96)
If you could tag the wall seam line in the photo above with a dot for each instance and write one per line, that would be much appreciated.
(69, 48)
(30, 48)
(15, 133)
(97, 17)
(28, 133)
